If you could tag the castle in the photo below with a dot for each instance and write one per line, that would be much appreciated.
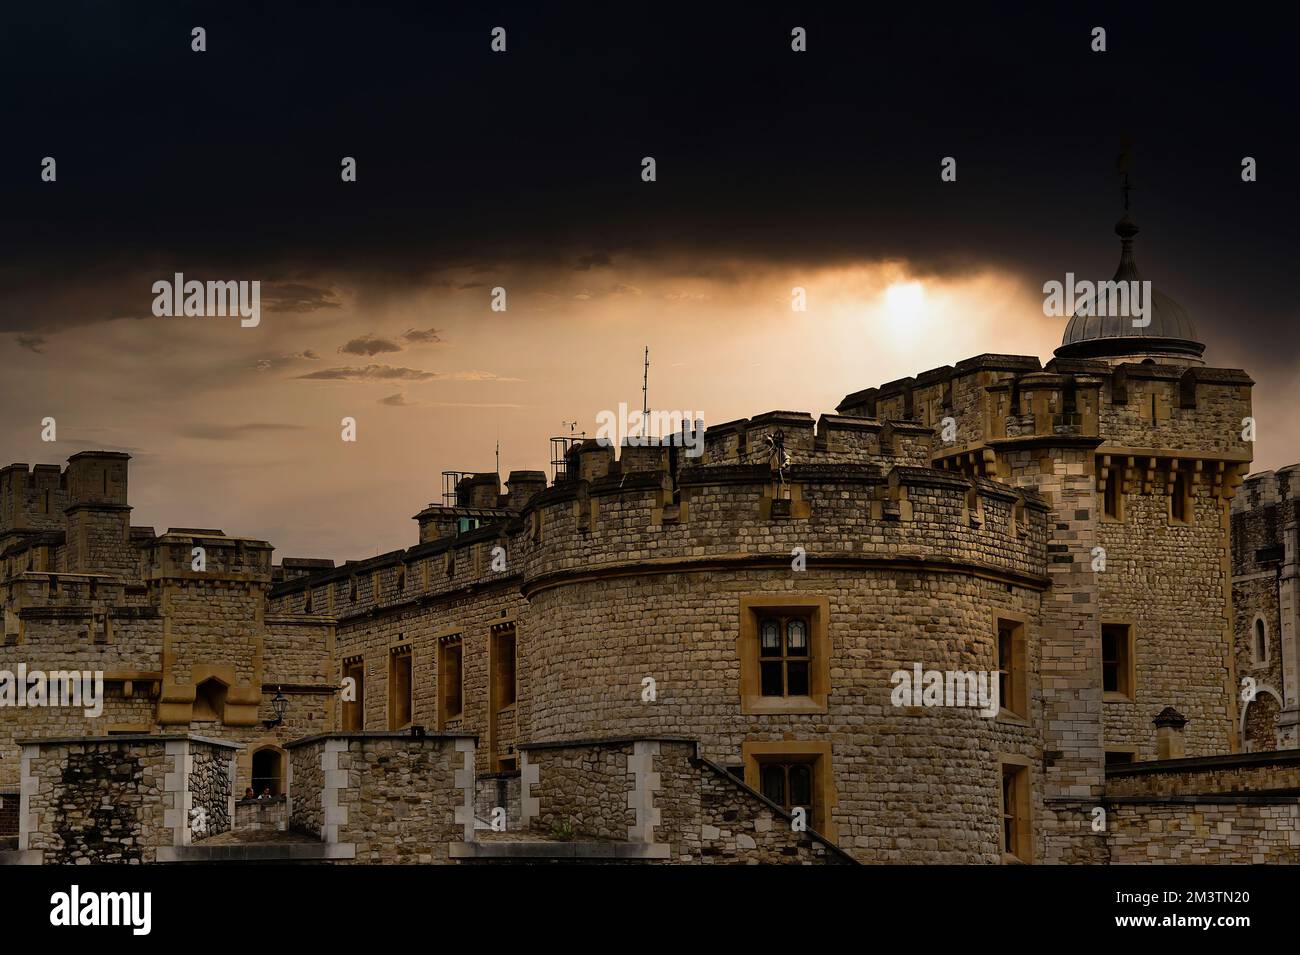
(677, 658)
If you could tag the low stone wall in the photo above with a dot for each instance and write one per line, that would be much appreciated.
(497, 791)
(706, 815)
(584, 785)
(122, 799)
(306, 799)
(211, 787)
(1240, 808)
(1248, 830)
(262, 815)
(659, 794)
(388, 798)
(1274, 771)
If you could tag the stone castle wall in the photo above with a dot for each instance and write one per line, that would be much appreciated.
(393, 798)
(648, 567)
(121, 799)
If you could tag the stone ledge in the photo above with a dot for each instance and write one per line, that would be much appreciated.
(131, 738)
(22, 857)
(1191, 764)
(557, 850)
(259, 852)
(605, 741)
(378, 734)
(1237, 798)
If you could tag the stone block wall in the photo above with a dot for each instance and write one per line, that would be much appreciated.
(261, 815)
(1251, 773)
(658, 794)
(708, 816)
(211, 788)
(1171, 582)
(912, 782)
(393, 798)
(583, 784)
(121, 799)
(307, 791)
(1227, 831)
(1266, 591)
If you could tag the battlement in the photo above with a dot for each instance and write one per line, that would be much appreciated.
(1266, 488)
(37, 498)
(173, 556)
(978, 407)
(837, 512)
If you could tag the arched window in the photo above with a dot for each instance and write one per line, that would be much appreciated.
(1261, 641)
(209, 701)
(268, 771)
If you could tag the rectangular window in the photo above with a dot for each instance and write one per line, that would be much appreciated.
(1111, 497)
(503, 668)
(797, 776)
(1180, 499)
(399, 688)
(354, 710)
(1013, 684)
(1015, 813)
(784, 649)
(783, 655)
(1116, 757)
(1117, 670)
(788, 784)
(451, 658)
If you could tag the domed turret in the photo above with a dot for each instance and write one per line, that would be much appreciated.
(1170, 337)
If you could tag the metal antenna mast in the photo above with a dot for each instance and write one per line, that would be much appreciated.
(645, 392)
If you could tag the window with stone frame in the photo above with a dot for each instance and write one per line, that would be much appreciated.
(1117, 661)
(1113, 494)
(1012, 660)
(794, 774)
(1015, 807)
(784, 647)
(451, 702)
(503, 667)
(1259, 645)
(400, 687)
(1181, 502)
(354, 710)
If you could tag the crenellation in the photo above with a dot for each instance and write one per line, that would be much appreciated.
(1083, 531)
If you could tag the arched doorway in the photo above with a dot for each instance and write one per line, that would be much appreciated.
(1259, 722)
(268, 771)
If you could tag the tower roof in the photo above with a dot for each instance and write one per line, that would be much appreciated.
(1102, 336)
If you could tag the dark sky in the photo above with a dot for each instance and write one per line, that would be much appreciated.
(465, 154)
(524, 167)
